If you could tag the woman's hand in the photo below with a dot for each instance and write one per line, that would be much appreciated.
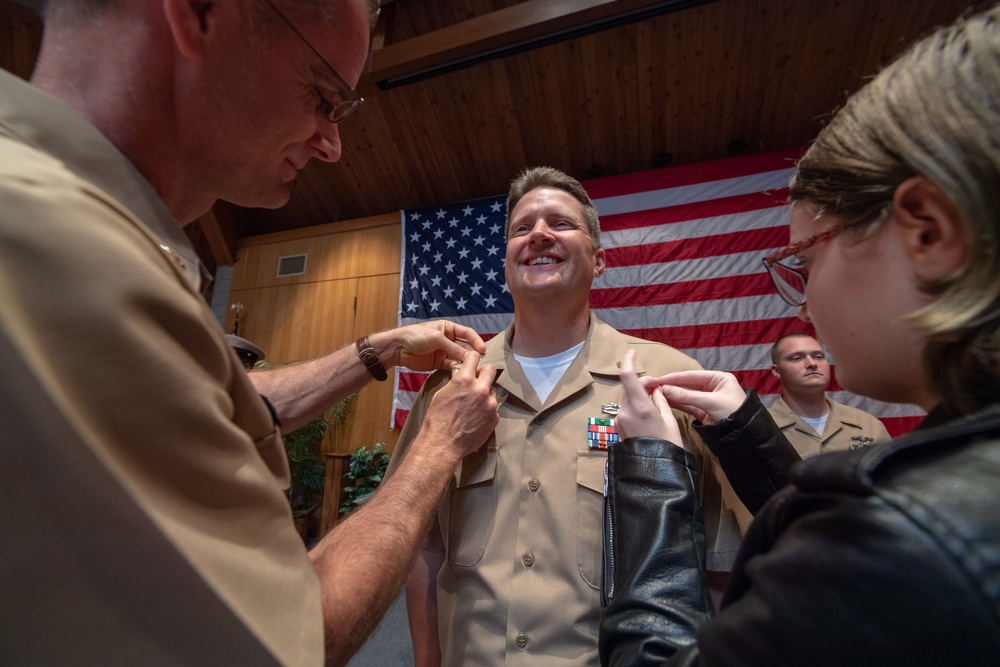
(644, 411)
(708, 396)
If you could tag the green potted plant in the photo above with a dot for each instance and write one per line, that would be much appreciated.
(308, 474)
(304, 448)
(366, 470)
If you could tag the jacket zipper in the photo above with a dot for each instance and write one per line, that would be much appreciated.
(608, 569)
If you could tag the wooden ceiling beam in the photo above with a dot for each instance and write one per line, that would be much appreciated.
(509, 30)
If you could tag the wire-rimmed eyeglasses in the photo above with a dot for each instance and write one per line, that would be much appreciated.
(790, 281)
(349, 101)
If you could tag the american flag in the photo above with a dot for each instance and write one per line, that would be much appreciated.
(684, 247)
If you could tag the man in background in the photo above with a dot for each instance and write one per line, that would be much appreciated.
(511, 571)
(141, 475)
(812, 421)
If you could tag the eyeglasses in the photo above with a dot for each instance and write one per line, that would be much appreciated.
(349, 98)
(789, 281)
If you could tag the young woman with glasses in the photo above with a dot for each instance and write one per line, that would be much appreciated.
(882, 556)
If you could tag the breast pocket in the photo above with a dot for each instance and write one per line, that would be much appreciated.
(472, 506)
(590, 513)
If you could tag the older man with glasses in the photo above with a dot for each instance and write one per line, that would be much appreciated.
(144, 519)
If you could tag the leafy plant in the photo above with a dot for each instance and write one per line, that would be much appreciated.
(303, 446)
(366, 470)
(308, 474)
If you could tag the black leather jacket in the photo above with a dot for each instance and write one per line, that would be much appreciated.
(881, 556)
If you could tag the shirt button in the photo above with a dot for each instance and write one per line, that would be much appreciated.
(528, 559)
(533, 485)
(522, 640)
(538, 421)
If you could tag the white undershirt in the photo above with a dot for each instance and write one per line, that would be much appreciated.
(544, 373)
(818, 424)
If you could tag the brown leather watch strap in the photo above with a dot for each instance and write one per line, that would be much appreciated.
(369, 357)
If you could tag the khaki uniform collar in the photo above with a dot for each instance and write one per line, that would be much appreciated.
(35, 118)
(784, 417)
(601, 355)
(841, 415)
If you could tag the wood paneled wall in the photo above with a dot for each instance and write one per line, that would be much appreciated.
(350, 288)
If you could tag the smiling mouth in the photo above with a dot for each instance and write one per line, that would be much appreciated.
(539, 261)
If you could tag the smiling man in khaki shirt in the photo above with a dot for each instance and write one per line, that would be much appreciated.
(511, 571)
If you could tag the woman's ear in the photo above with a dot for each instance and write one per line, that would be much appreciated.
(192, 23)
(934, 236)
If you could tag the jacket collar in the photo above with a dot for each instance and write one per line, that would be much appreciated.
(855, 470)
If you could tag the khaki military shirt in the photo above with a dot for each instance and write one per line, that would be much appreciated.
(523, 520)
(100, 304)
(846, 428)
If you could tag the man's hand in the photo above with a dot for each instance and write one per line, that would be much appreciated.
(426, 346)
(464, 412)
(708, 396)
(391, 525)
(644, 410)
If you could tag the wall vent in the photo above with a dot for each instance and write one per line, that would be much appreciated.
(291, 265)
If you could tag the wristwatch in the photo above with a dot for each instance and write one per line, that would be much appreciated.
(369, 357)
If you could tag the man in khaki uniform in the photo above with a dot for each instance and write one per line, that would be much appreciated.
(142, 507)
(511, 572)
(812, 421)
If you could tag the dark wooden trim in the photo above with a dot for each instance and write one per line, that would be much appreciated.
(510, 29)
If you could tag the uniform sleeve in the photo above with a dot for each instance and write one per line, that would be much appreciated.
(136, 365)
(415, 419)
(882, 434)
(133, 357)
(87, 563)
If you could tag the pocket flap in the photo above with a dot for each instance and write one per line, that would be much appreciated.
(478, 467)
(590, 469)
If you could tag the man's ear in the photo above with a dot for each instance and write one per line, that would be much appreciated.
(599, 262)
(192, 23)
(934, 237)
(774, 371)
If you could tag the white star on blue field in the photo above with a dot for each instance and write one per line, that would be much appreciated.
(453, 261)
